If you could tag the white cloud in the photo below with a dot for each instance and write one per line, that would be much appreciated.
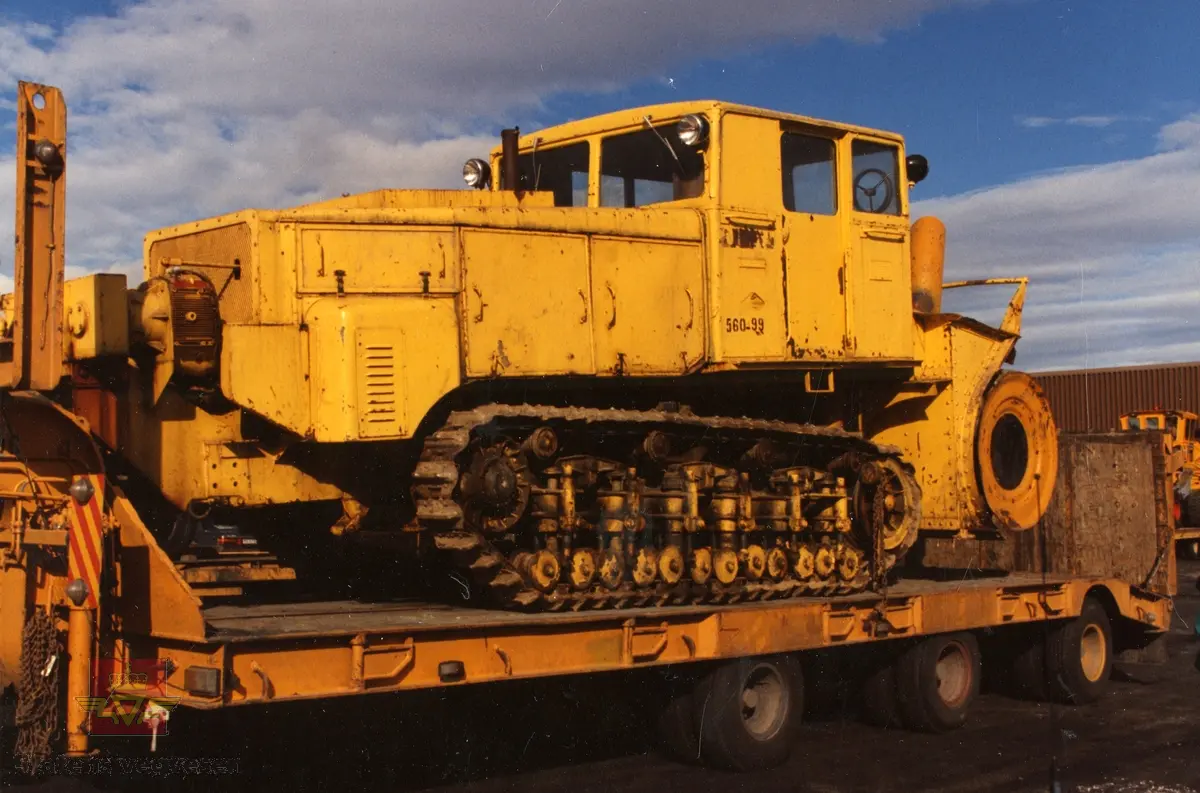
(187, 108)
(1113, 251)
(181, 109)
(1094, 122)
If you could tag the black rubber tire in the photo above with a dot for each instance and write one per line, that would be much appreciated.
(920, 694)
(1051, 665)
(729, 737)
(880, 706)
(1191, 509)
(1028, 672)
(1067, 677)
(675, 723)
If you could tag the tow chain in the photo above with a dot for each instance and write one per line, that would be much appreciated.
(37, 693)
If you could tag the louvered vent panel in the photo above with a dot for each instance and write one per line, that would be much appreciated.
(378, 398)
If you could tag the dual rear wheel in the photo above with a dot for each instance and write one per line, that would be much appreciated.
(931, 684)
(743, 714)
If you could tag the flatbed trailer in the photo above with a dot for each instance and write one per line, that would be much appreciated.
(313, 650)
(102, 633)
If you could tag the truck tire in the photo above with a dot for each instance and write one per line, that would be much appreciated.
(1071, 663)
(675, 723)
(1028, 678)
(1191, 509)
(1079, 656)
(937, 680)
(879, 704)
(747, 711)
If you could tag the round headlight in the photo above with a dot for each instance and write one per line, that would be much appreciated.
(693, 130)
(476, 173)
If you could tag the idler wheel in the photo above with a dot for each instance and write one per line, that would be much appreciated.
(888, 502)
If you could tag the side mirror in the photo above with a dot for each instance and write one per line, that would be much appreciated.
(918, 168)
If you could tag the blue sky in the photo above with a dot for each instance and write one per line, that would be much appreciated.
(1064, 136)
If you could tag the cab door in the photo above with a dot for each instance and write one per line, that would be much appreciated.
(814, 255)
(881, 319)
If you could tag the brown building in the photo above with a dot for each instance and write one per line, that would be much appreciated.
(1091, 400)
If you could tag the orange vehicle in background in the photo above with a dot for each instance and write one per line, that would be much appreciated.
(1181, 430)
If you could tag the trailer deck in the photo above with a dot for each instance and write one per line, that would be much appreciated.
(306, 650)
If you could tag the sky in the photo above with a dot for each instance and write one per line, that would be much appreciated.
(1063, 135)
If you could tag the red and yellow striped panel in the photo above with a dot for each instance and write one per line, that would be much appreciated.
(85, 540)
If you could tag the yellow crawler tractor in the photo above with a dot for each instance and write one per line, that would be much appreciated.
(1181, 445)
(685, 353)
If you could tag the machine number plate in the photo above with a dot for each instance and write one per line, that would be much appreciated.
(755, 325)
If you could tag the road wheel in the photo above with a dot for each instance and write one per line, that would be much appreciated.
(747, 712)
(937, 680)
(880, 706)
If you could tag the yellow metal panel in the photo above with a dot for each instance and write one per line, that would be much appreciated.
(751, 317)
(97, 316)
(649, 298)
(274, 259)
(816, 294)
(262, 368)
(214, 248)
(361, 348)
(176, 444)
(750, 177)
(377, 259)
(380, 400)
(882, 301)
(399, 199)
(526, 309)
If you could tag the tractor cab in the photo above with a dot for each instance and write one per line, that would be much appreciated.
(1181, 427)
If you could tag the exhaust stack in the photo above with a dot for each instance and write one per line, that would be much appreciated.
(509, 174)
(928, 263)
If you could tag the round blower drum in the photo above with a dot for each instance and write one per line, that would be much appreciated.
(1016, 451)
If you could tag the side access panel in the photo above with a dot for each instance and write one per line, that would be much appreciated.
(649, 300)
(526, 309)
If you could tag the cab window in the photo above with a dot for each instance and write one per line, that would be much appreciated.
(650, 166)
(1151, 423)
(562, 171)
(876, 177)
(809, 185)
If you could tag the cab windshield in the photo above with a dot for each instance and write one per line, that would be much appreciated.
(650, 166)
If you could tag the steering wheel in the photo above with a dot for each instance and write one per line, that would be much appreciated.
(870, 191)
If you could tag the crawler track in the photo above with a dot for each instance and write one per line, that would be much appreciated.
(550, 508)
